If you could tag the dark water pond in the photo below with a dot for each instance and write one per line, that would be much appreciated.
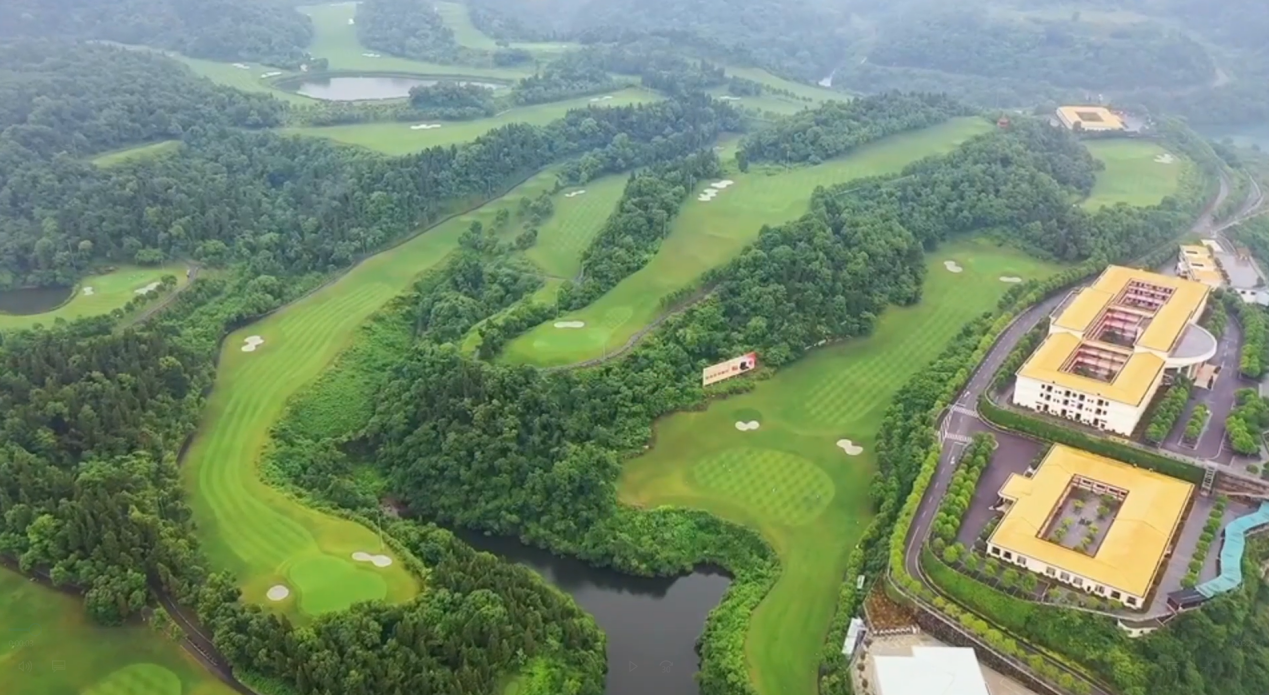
(33, 300)
(652, 624)
(368, 88)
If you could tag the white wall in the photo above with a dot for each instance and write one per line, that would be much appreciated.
(1071, 579)
(1119, 418)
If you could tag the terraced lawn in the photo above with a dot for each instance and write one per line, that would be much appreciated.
(788, 477)
(266, 537)
(708, 234)
(96, 295)
(399, 138)
(48, 647)
(1133, 173)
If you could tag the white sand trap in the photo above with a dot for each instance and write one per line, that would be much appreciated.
(148, 288)
(250, 343)
(851, 448)
(570, 324)
(351, 21)
(278, 592)
(425, 126)
(1011, 279)
(720, 185)
(376, 560)
(1165, 158)
(273, 73)
(88, 291)
(242, 66)
(359, 556)
(952, 266)
(746, 426)
(729, 98)
(371, 55)
(574, 194)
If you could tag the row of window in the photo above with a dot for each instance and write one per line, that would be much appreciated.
(1068, 578)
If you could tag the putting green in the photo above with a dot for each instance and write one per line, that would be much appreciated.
(1132, 174)
(110, 291)
(788, 479)
(399, 138)
(259, 532)
(336, 40)
(708, 234)
(47, 646)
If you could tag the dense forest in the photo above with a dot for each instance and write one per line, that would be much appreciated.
(267, 31)
(407, 28)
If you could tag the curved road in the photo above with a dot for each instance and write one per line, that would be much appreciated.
(961, 422)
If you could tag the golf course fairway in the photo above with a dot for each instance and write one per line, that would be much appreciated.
(1138, 172)
(776, 459)
(49, 646)
(266, 537)
(98, 294)
(708, 234)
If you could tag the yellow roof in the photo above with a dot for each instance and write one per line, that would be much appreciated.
(1201, 265)
(1130, 386)
(1084, 309)
(1139, 535)
(1103, 118)
(1169, 321)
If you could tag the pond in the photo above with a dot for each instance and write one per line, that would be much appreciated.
(367, 87)
(33, 300)
(652, 624)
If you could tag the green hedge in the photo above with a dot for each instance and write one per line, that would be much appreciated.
(1040, 429)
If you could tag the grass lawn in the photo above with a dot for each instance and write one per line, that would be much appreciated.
(258, 531)
(576, 221)
(130, 154)
(1132, 175)
(456, 17)
(398, 138)
(48, 647)
(336, 40)
(706, 235)
(788, 479)
(109, 292)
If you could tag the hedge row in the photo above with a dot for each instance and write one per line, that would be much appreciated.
(1168, 411)
(975, 458)
(1039, 429)
(1210, 529)
(1194, 427)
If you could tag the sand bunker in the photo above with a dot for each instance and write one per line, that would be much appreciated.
(707, 195)
(371, 55)
(148, 288)
(851, 448)
(729, 98)
(570, 324)
(574, 194)
(278, 592)
(351, 21)
(1165, 158)
(746, 426)
(88, 291)
(376, 560)
(603, 98)
(250, 343)
(273, 73)
(952, 266)
(721, 185)
(1011, 279)
(242, 66)
(425, 126)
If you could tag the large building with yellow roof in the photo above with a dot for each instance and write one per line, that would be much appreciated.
(1111, 543)
(1090, 119)
(1113, 345)
(1197, 263)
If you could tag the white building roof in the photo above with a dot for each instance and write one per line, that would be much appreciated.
(931, 671)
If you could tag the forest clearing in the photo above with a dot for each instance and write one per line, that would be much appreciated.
(100, 294)
(788, 478)
(707, 235)
(1138, 172)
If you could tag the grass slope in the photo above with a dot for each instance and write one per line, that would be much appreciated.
(576, 221)
(788, 479)
(803, 95)
(1132, 175)
(456, 17)
(398, 138)
(130, 154)
(110, 291)
(258, 531)
(336, 40)
(47, 647)
(706, 235)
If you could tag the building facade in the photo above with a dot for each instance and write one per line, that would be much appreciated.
(1113, 345)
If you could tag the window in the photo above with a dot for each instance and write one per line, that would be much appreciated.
(1008, 555)
(1116, 595)
(1079, 581)
(1132, 600)
(1066, 576)
(1050, 571)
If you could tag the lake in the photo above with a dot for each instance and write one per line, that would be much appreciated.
(652, 624)
(33, 300)
(369, 88)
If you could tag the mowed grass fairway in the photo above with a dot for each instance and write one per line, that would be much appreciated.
(130, 154)
(788, 479)
(457, 18)
(109, 292)
(258, 531)
(576, 221)
(48, 647)
(336, 40)
(706, 235)
(1132, 175)
(398, 138)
